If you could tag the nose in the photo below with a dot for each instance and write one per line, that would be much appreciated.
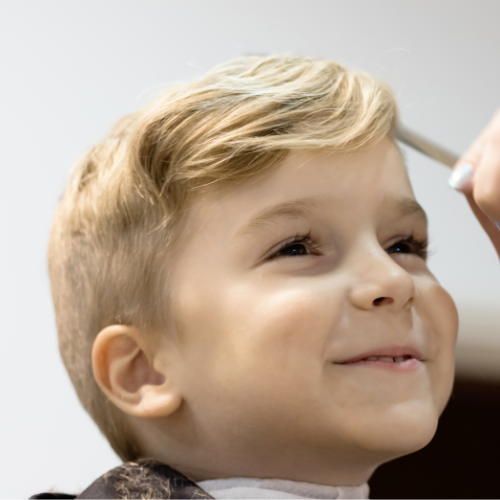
(381, 282)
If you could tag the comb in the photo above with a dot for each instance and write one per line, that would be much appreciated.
(425, 146)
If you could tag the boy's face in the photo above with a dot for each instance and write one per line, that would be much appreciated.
(266, 333)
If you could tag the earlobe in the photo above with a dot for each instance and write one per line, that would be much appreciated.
(124, 369)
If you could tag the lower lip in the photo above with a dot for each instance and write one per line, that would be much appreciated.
(403, 366)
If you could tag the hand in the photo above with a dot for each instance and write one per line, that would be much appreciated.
(480, 179)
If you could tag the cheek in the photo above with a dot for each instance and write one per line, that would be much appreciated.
(281, 327)
(268, 341)
(278, 338)
(441, 317)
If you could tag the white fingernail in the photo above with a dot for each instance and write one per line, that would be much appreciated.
(498, 224)
(460, 176)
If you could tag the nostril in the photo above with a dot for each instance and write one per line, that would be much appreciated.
(378, 301)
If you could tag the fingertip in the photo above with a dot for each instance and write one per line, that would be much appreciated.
(461, 176)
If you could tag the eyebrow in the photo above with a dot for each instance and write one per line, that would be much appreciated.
(402, 206)
(408, 206)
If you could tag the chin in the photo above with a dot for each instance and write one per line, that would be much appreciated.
(399, 432)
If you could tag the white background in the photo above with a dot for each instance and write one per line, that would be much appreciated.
(69, 69)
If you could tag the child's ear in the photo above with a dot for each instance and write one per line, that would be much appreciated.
(123, 366)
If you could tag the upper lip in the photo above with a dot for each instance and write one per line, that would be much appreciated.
(390, 351)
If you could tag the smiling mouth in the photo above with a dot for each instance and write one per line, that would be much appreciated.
(405, 363)
(398, 358)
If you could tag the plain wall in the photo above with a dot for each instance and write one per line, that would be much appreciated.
(70, 69)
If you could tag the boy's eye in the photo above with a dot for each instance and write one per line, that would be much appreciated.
(300, 245)
(412, 244)
(293, 250)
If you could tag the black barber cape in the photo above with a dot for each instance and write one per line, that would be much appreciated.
(146, 478)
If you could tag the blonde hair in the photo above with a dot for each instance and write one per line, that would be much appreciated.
(119, 215)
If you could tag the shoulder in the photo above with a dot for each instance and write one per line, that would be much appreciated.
(146, 478)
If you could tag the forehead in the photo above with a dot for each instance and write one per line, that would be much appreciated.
(371, 179)
(367, 172)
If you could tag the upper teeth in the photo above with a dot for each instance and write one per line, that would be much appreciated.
(387, 359)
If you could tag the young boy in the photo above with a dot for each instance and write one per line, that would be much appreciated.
(241, 288)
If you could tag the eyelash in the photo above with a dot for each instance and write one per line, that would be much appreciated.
(419, 245)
